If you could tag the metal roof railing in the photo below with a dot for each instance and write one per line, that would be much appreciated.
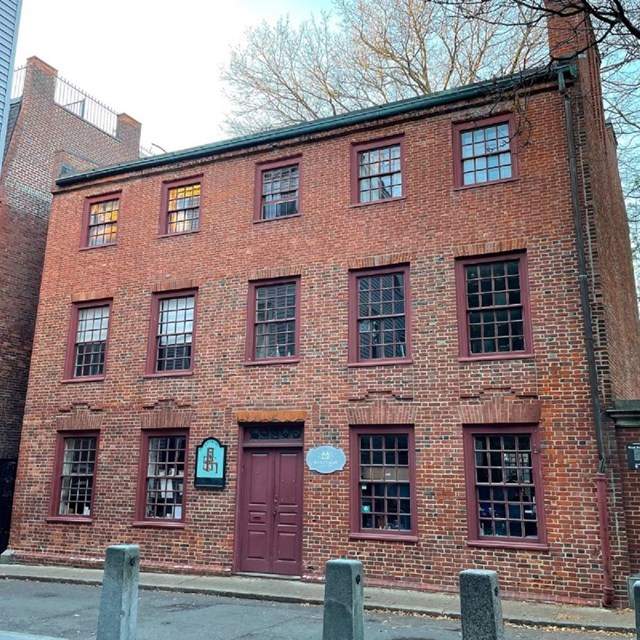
(17, 83)
(85, 106)
(73, 99)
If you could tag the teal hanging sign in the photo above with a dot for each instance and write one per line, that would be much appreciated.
(211, 465)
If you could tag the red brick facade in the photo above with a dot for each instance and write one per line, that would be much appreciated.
(44, 137)
(324, 393)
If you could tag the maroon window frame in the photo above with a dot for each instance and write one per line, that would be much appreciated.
(172, 333)
(164, 456)
(100, 220)
(278, 189)
(180, 206)
(494, 317)
(88, 341)
(383, 482)
(503, 475)
(273, 321)
(74, 476)
(485, 151)
(378, 171)
(380, 316)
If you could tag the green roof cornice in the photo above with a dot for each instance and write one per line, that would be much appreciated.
(458, 94)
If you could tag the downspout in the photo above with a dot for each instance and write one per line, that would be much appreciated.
(596, 407)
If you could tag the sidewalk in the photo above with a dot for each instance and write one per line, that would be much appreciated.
(282, 590)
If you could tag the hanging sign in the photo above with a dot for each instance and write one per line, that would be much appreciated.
(211, 462)
(326, 459)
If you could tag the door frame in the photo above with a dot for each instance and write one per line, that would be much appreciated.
(245, 444)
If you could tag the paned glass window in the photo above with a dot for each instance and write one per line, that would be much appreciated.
(91, 341)
(175, 333)
(280, 192)
(379, 173)
(275, 320)
(494, 307)
(381, 316)
(486, 154)
(164, 477)
(384, 482)
(77, 476)
(103, 222)
(505, 491)
(183, 208)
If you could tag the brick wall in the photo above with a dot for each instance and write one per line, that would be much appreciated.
(613, 302)
(18, 313)
(429, 228)
(45, 137)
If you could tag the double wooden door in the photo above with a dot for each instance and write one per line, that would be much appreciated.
(270, 523)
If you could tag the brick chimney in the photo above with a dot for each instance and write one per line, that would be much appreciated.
(40, 80)
(569, 30)
(128, 132)
(571, 36)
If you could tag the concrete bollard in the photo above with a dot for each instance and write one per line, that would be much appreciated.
(343, 601)
(632, 581)
(480, 606)
(636, 600)
(119, 601)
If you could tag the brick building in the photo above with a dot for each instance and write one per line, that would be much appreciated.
(53, 129)
(379, 319)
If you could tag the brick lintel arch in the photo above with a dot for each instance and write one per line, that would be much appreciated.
(79, 417)
(381, 411)
(501, 411)
(166, 415)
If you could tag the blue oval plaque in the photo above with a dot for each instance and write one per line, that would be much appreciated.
(326, 459)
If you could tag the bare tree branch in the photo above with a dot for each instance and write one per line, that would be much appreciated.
(369, 52)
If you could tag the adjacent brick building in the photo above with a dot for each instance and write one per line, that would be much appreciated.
(52, 130)
(379, 318)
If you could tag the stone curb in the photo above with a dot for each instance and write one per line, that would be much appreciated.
(370, 604)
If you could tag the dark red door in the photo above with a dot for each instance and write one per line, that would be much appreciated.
(270, 525)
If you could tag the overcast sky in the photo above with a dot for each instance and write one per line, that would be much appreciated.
(157, 60)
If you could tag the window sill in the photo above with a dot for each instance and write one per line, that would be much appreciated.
(253, 363)
(509, 544)
(178, 233)
(99, 246)
(70, 519)
(358, 205)
(380, 362)
(159, 524)
(498, 356)
(475, 185)
(384, 536)
(82, 379)
(168, 374)
(262, 220)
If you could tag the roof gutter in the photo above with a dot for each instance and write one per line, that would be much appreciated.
(351, 118)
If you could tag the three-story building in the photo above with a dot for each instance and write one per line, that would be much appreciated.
(390, 335)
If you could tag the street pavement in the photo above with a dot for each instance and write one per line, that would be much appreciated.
(54, 580)
(32, 609)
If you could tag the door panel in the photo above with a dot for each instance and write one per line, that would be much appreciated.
(271, 511)
(288, 520)
(258, 484)
(286, 550)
